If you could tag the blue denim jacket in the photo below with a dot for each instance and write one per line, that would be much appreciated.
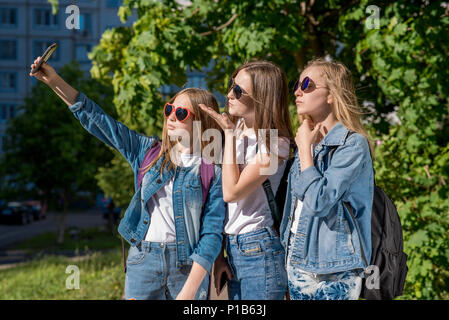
(327, 239)
(198, 232)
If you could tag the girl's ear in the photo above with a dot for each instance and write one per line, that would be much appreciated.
(330, 99)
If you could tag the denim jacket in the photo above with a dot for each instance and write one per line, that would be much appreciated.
(328, 239)
(198, 231)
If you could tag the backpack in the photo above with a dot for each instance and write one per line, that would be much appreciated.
(206, 172)
(387, 282)
(277, 202)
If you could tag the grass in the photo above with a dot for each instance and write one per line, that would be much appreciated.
(100, 277)
(44, 278)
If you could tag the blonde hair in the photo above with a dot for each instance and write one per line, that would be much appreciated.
(196, 97)
(345, 105)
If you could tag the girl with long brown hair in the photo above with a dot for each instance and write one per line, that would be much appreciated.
(258, 135)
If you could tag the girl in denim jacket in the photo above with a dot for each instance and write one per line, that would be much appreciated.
(326, 226)
(257, 101)
(174, 241)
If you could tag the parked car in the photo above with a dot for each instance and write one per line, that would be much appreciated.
(15, 212)
(34, 208)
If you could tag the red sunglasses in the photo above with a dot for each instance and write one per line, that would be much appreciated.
(182, 114)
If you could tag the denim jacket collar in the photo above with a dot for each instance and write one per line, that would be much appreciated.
(336, 136)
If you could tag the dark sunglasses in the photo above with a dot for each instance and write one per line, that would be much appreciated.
(236, 89)
(182, 114)
(307, 85)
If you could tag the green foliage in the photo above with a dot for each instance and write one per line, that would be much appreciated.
(47, 146)
(401, 66)
(117, 180)
(407, 58)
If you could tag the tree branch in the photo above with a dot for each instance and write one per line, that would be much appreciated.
(216, 29)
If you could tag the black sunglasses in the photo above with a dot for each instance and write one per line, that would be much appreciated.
(306, 85)
(236, 89)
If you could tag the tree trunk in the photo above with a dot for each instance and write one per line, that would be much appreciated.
(62, 218)
(111, 221)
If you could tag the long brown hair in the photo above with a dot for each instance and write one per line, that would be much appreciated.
(345, 105)
(196, 97)
(270, 98)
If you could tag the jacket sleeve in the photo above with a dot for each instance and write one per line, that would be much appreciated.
(320, 192)
(115, 134)
(212, 224)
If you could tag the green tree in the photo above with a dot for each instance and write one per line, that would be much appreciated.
(399, 68)
(47, 147)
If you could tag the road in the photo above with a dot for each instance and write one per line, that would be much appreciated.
(11, 234)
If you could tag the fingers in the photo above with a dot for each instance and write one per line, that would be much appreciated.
(211, 112)
(34, 64)
(317, 128)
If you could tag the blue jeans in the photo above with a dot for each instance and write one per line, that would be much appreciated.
(152, 273)
(256, 260)
(302, 285)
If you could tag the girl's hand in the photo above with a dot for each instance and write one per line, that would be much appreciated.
(307, 134)
(222, 119)
(220, 267)
(45, 74)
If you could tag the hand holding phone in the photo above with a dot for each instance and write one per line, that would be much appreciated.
(47, 54)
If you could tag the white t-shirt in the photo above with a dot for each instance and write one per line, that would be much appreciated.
(253, 212)
(160, 206)
(298, 208)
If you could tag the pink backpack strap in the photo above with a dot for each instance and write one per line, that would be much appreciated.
(207, 173)
(151, 154)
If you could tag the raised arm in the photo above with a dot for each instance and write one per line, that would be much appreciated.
(112, 132)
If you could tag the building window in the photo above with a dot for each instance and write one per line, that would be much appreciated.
(8, 17)
(196, 81)
(12, 111)
(85, 23)
(41, 46)
(2, 143)
(44, 18)
(113, 3)
(8, 49)
(8, 81)
(7, 111)
(81, 51)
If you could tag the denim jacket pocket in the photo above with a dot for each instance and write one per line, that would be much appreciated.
(193, 192)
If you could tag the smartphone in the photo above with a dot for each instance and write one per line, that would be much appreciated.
(47, 54)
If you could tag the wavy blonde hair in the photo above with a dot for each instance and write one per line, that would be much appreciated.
(339, 81)
(196, 97)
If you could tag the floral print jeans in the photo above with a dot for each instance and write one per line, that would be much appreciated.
(304, 285)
